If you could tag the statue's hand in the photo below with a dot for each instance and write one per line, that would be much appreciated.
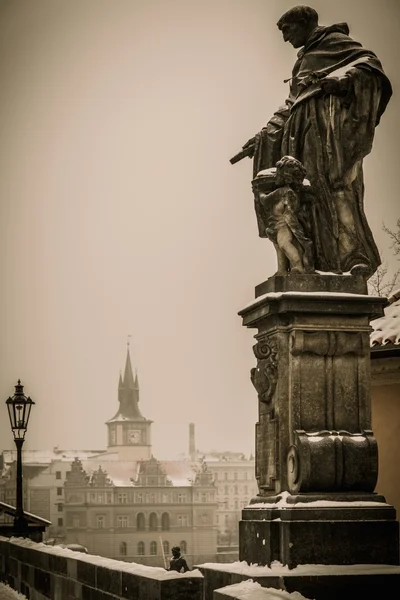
(250, 146)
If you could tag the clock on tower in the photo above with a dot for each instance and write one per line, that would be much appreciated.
(134, 436)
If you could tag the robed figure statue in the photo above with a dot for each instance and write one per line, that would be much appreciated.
(338, 93)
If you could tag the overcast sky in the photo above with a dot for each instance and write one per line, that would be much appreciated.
(121, 214)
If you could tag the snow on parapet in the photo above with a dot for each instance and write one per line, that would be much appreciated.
(251, 590)
(277, 569)
(117, 565)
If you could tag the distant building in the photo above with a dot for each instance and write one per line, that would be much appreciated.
(121, 502)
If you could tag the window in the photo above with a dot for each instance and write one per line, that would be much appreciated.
(109, 498)
(60, 507)
(59, 491)
(235, 490)
(204, 519)
(181, 498)
(236, 504)
(122, 521)
(182, 521)
(165, 521)
(204, 497)
(183, 547)
(166, 548)
(153, 548)
(153, 521)
(76, 522)
(58, 474)
(140, 548)
(122, 498)
(140, 522)
(139, 498)
(100, 498)
(217, 519)
(226, 476)
(60, 522)
(245, 489)
(122, 549)
(100, 522)
(152, 498)
(235, 476)
(226, 490)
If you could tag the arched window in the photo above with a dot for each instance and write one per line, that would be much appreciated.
(140, 522)
(122, 549)
(153, 548)
(183, 547)
(140, 548)
(165, 521)
(166, 548)
(153, 521)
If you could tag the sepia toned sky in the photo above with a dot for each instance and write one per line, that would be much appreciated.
(120, 213)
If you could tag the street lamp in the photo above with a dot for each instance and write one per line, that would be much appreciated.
(19, 410)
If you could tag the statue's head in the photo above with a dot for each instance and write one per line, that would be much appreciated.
(289, 171)
(176, 551)
(297, 24)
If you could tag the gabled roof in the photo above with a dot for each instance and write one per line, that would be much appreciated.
(386, 329)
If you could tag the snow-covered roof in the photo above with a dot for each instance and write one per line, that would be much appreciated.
(125, 473)
(45, 457)
(386, 329)
(8, 509)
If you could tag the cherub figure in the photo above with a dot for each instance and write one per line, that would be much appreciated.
(282, 209)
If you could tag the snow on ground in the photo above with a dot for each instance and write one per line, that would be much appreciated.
(251, 590)
(277, 569)
(119, 565)
(7, 593)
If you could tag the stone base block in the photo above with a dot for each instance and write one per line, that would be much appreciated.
(357, 529)
(312, 283)
(338, 582)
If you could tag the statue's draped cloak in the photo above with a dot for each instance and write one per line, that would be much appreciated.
(330, 135)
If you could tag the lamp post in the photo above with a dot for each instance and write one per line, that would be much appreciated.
(19, 410)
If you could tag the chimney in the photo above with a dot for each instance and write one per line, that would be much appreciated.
(192, 443)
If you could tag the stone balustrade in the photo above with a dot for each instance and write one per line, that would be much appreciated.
(42, 572)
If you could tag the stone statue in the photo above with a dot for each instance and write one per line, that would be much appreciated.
(338, 93)
(284, 215)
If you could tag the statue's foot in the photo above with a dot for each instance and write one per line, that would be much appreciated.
(296, 271)
(360, 269)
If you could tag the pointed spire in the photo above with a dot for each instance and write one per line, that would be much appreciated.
(129, 383)
(120, 384)
(136, 383)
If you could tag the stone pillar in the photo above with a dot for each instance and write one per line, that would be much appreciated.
(316, 456)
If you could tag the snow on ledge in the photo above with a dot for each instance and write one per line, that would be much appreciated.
(282, 502)
(280, 295)
(251, 590)
(118, 565)
(277, 569)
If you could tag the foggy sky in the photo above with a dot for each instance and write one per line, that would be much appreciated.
(120, 213)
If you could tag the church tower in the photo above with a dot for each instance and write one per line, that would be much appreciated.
(128, 430)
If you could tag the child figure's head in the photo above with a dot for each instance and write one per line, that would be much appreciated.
(289, 171)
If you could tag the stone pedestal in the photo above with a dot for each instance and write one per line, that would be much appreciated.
(314, 441)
